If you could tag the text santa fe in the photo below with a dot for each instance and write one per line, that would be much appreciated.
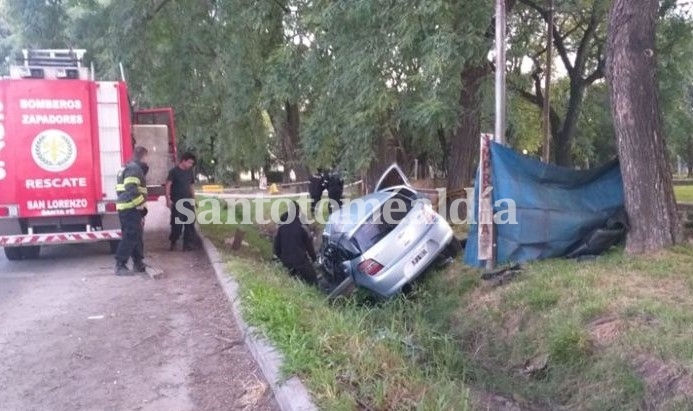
(51, 104)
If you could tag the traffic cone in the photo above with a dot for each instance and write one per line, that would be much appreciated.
(274, 189)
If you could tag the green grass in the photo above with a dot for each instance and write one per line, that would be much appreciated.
(684, 194)
(455, 336)
(351, 353)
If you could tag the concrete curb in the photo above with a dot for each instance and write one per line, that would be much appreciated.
(292, 395)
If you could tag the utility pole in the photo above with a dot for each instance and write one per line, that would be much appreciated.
(500, 72)
(486, 233)
(547, 87)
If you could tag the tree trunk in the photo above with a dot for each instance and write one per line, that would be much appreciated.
(385, 154)
(632, 80)
(287, 127)
(563, 150)
(464, 145)
(564, 140)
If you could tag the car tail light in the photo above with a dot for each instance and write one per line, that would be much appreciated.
(111, 207)
(370, 267)
(4, 211)
(429, 214)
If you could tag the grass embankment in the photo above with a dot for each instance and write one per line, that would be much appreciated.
(614, 334)
(684, 194)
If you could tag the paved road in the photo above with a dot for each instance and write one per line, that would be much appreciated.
(75, 337)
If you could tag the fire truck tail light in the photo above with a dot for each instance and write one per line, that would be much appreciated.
(8, 211)
(106, 207)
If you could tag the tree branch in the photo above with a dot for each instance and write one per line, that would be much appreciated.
(581, 56)
(534, 99)
(285, 9)
(597, 74)
(150, 15)
(557, 37)
(565, 36)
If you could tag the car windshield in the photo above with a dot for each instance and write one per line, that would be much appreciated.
(384, 220)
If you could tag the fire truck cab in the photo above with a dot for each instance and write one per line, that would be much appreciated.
(63, 138)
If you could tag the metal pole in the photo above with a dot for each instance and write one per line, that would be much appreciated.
(499, 135)
(547, 87)
(122, 72)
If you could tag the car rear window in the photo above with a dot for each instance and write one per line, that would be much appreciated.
(383, 221)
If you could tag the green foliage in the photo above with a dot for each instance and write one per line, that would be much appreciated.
(359, 73)
(675, 42)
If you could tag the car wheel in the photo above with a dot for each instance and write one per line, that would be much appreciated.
(13, 253)
(31, 252)
(344, 289)
(113, 245)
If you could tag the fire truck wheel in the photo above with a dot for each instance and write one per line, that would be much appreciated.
(114, 246)
(13, 253)
(31, 252)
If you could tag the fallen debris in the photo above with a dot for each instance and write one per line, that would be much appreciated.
(502, 276)
(536, 368)
(154, 273)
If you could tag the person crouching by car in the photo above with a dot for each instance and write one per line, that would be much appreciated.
(294, 247)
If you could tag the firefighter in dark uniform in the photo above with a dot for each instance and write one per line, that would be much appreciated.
(294, 247)
(335, 190)
(131, 206)
(316, 185)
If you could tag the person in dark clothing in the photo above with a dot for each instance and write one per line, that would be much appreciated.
(294, 247)
(131, 188)
(316, 185)
(180, 198)
(335, 190)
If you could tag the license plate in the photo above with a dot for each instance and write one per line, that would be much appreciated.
(420, 256)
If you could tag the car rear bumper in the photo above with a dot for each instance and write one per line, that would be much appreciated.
(394, 277)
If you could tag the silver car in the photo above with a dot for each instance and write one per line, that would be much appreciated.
(385, 240)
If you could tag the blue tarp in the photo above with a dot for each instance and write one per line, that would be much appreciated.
(556, 207)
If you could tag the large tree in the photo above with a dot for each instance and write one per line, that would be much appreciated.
(578, 38)
(633, 88)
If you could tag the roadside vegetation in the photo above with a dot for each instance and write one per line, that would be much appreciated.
(610, 334)
(684, 194)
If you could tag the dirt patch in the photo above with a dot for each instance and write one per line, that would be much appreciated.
(665, 382)
(605, 330)
(513, 321)
(483, 400)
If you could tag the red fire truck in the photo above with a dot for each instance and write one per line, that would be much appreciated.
(63, 139)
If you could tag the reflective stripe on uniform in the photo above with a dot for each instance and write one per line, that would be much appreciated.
(131, 180)
(121, 188)
(138, 201)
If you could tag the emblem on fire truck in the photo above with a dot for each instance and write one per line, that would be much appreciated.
(54, 150)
